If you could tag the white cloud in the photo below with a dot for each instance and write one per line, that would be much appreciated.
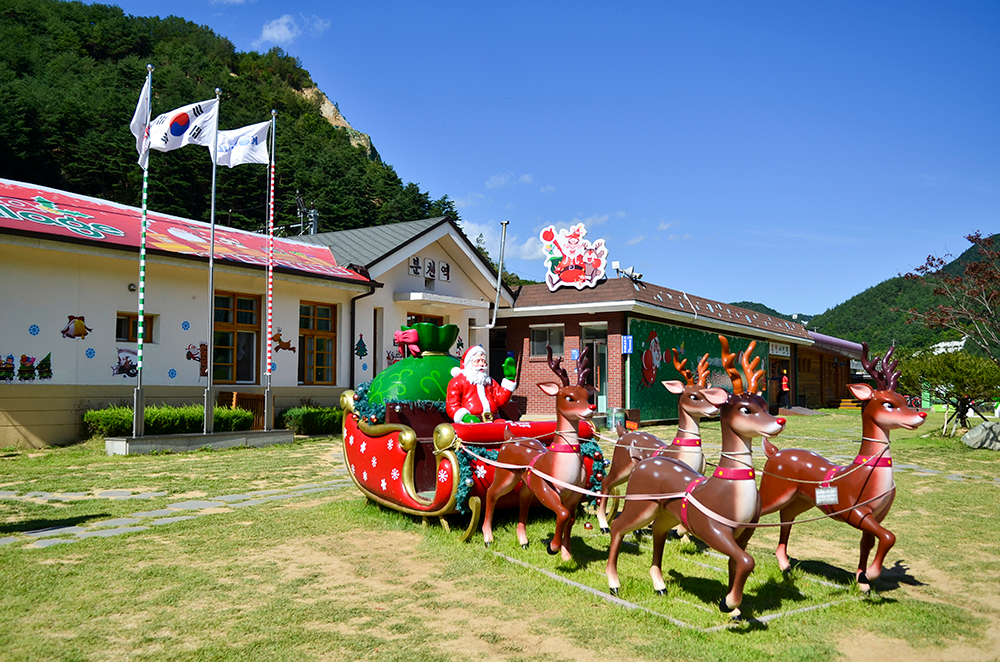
(531, 249)
(679, 237)
(591, 220)
(285, 30)
(315, 25)
(508, 179)
(547, 189)
(666, 226)
(491, 235)
(499, 181)
(281, 31)
(470, 200)
(636, 240)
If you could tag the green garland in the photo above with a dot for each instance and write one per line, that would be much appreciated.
(589, 449)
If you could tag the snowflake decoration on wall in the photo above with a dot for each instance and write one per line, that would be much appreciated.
(90, 353)
(443, 476)
(186, 325)
(34, 330)
(395, 474)
(171, 373)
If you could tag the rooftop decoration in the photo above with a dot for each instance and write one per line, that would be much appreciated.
(571, 260)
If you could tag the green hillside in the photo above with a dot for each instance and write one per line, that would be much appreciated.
(878, 315)
(801, 318)
(70, 76)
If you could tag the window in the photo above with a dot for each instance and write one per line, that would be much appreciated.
(127, 327)
(237, 338)
(317, 343)
(546, 335)
(415, 318)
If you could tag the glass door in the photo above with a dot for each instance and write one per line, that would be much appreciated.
(595, 338)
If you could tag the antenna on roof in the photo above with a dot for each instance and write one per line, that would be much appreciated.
(630, 272)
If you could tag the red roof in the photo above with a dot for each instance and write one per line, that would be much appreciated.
(58, 215)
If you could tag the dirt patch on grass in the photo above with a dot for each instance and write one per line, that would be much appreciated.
(388, 575)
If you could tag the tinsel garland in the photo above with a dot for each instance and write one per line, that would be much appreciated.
(587, 449)
(366, 410)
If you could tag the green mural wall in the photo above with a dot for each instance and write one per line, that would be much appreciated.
(645, 374)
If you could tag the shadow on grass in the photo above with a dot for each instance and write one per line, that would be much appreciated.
(40, 524)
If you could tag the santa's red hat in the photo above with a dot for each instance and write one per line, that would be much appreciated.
(652, 334)
(469, 354)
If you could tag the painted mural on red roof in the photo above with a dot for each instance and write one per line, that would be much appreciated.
(58, 214)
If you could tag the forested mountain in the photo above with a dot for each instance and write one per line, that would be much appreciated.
(70, 76)
(801, 318)
(878, 315)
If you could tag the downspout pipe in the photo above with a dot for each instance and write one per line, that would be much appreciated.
(354, 306)
(496, 304)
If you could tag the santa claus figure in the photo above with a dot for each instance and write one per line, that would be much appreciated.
(474, 396)
(651, 359)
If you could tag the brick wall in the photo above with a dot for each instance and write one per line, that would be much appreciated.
(535, 370)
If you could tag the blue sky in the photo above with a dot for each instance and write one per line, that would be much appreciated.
(791, 153)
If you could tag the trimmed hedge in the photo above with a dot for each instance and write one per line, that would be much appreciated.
(162, 419)
(313, 420)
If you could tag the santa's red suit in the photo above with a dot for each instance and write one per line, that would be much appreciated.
(480, 399)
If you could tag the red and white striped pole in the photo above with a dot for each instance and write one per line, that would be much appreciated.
(268, 395)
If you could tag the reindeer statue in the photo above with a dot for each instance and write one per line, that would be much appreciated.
(529, 460)
(794, 480)
(712, 508)
(695, 402)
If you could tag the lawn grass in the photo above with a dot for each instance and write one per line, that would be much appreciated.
(328, 575)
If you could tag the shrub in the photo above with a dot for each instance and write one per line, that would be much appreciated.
(163, 419)
(314, 420)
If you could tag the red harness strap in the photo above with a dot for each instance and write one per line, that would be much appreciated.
(685, 441)
(731, 473)
(880, 462)
(684, 501)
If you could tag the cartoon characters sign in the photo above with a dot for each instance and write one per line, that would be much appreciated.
(571, 260)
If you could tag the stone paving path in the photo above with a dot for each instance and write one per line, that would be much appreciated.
(140, 521)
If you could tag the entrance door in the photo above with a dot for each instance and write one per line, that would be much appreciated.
(596, 339)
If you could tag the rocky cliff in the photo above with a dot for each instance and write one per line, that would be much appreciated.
(333, 116)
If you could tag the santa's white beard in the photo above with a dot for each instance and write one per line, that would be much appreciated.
(477, 376)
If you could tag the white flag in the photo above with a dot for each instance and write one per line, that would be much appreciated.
(245, 145)
(138, 125)
(189, 125)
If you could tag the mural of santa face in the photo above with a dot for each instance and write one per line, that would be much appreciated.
(654, 347)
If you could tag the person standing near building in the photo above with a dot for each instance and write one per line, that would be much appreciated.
(785, 391)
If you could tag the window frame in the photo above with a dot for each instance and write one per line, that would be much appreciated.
(307, 349)
(233, 326)
(547, 328)
(132, 319)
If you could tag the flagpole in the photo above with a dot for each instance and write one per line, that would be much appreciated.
(268, 394)
(139, 398)
(209, 399)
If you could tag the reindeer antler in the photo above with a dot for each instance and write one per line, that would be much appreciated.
(728, 360)
(686, 374)
(750, 368)
(555, 365)
(888, 376)
(703, 371)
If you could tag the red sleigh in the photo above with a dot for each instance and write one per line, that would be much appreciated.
(411, 463)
